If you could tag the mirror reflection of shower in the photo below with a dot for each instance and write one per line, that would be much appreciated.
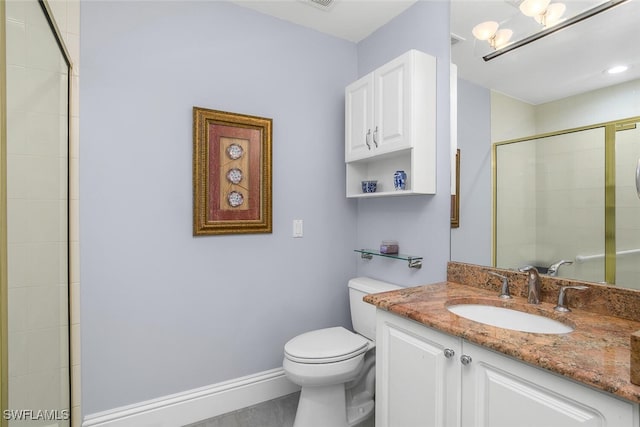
(35, 288)
(566, 202)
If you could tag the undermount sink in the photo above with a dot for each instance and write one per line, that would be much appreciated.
(507, 318)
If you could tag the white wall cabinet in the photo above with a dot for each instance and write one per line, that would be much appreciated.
(422, 381)
(390, 124)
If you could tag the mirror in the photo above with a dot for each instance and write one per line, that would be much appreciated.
(553, 84)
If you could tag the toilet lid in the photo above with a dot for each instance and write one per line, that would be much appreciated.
(325, 346)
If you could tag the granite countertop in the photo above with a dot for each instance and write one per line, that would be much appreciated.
(596, 353)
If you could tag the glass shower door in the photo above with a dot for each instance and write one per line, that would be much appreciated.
(627, 206)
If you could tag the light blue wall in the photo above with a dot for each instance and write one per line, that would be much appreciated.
(163, 311)
(471, 242)
(419, 223)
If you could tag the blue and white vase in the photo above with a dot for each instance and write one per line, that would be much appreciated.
(400, 180)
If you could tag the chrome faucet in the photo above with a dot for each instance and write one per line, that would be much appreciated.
(553, 268)
(562, 302)
(534, 284)
(504, 291)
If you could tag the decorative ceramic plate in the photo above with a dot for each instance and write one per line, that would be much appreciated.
(234, 151)
(234, 176)
(235, 199)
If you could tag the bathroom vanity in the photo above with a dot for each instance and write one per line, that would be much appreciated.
(436, 368)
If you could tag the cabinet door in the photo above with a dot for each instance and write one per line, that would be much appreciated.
(392, 120)
(498, 391)
(359, 119)
(416, 384)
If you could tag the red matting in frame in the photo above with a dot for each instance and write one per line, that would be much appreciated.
(218, 207)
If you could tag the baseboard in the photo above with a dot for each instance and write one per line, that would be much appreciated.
(198, 404)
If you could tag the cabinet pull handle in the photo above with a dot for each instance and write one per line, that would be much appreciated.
(465, 359)
(449, 353)
(375, 137)
(367, 138)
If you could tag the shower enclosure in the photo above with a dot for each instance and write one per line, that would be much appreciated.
(571, 195)
(34, 212)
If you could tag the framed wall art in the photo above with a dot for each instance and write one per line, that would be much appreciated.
(455, 198)
(231, 173)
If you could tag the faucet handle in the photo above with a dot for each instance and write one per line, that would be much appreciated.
(553, 268)
(562, 305)
(504, 291)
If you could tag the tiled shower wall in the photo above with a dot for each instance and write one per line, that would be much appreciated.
(34, 200)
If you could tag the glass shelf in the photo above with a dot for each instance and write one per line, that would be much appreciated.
(414, 261)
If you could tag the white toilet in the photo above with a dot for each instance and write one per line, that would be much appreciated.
(336, 367)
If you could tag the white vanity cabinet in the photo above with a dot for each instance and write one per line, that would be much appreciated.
(422, 381)
(390, 124)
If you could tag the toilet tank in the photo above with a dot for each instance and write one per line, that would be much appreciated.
(363, 315)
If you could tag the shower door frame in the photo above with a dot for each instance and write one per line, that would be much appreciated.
(4, 365)
(610, 129)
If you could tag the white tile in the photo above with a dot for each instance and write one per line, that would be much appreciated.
(47, 259)
(17, 310)
(19, 396)
(44, 350)
(45, 389)
(43, 134)
(17, 88)
(18, 349)
(15, 10)
(17, 220)
(74, 151)
(43, 307)
(43, 91)
(19, 260)
(42, 49)
(16, 43)
(73, 16)
(74, 181)
(17, 131)
(44, 223)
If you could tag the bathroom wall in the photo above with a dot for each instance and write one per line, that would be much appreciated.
(474, 136)
(419, 223)
(164, 311)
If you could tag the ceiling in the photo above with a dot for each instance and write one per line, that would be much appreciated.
(565, 63)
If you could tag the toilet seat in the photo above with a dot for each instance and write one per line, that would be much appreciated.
(325, 346)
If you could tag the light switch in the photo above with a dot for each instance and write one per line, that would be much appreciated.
(297, 228)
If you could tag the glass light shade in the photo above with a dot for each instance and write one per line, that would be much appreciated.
(534, 7)
(502, 37)
(554, 13)
(485, 30)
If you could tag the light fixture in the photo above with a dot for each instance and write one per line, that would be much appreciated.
(490, 32)
(549, 15)
(617, 69)
(543, 11)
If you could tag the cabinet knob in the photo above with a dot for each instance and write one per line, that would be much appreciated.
(465, 359)
(449, 353)
(367, 138)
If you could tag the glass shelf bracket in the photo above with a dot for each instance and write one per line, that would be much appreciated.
(414, 261)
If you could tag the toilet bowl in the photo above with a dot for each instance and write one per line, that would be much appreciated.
(336, 367)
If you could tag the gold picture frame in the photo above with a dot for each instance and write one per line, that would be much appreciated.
(455, 198)
(231, 173)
